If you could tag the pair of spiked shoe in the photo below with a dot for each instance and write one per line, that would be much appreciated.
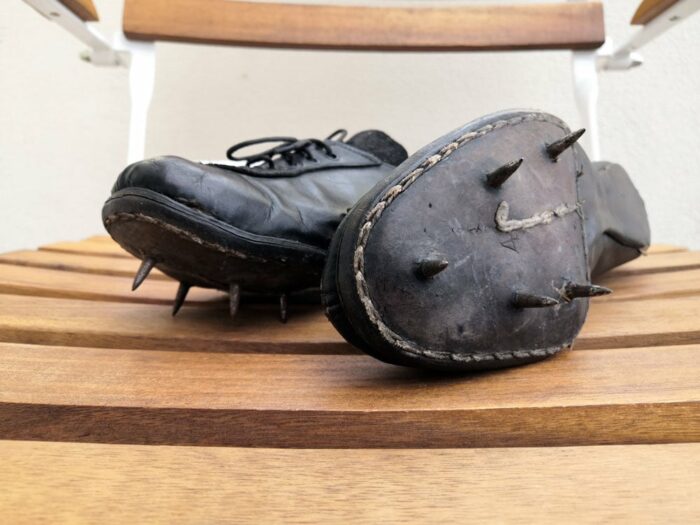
(475, 252)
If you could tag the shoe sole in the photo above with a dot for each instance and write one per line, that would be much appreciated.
(509, 245)
(200, 250)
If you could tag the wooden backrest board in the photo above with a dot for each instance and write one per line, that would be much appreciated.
(649, 10)
(562, 25)
(83, 9)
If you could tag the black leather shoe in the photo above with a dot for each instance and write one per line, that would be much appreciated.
(477, 252)
(260, 223)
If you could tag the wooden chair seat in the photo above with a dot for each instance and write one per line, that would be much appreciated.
(92, 378)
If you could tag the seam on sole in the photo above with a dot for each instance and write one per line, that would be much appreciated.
(119, 217)
(219, 223)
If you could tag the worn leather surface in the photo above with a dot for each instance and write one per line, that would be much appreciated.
(616, 223)
(463, 318)
(303, 202)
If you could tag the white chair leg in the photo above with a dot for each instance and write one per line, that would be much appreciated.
(586, 90)
(142, 69)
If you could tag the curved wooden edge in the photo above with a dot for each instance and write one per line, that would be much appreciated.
(648, 10)
(563, 25)
(83, 9)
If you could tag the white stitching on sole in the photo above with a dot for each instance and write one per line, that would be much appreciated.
(376, 212)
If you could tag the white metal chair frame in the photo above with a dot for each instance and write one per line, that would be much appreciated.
(140, 58)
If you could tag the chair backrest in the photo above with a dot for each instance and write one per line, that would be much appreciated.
(83, 9)
(564, 25)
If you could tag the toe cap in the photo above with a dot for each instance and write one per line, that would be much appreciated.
(168, 175)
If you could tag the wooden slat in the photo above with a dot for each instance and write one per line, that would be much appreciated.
(100, 239)
(648, 10)
(88, 248)
(651, 286)
(142, 484)
(75, 262)
(656, 249)
(37, 320)
(622, 396)
(83, 9)
(662, 262)
(41, 282)
(621, 324)
(467, 27)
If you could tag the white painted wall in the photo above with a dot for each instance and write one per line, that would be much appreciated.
(63, 123)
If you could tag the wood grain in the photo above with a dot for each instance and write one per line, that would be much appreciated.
(621, 396)
(75, 262)
(650, 286)
(100, 238)
(38, 320)
(662, 262)
(83, 9)
(622, 324)
(142, 484)
(648, 10)
(656, 249)
(448, 28)
(42, 282)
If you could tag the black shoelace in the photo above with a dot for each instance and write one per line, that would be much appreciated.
(290, 150)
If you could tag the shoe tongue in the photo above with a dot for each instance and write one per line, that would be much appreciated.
(380, 145)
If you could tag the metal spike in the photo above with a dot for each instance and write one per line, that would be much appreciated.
(180, 297)
(234, 293)
(283, 307)
(143, 271)
(500, 175)
(528, 300)
(560, 146)
(573, 290)
(428, 268)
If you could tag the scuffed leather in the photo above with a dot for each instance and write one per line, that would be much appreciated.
(616, 222)
(303, 203)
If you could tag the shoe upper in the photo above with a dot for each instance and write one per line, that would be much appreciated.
(298, 190)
